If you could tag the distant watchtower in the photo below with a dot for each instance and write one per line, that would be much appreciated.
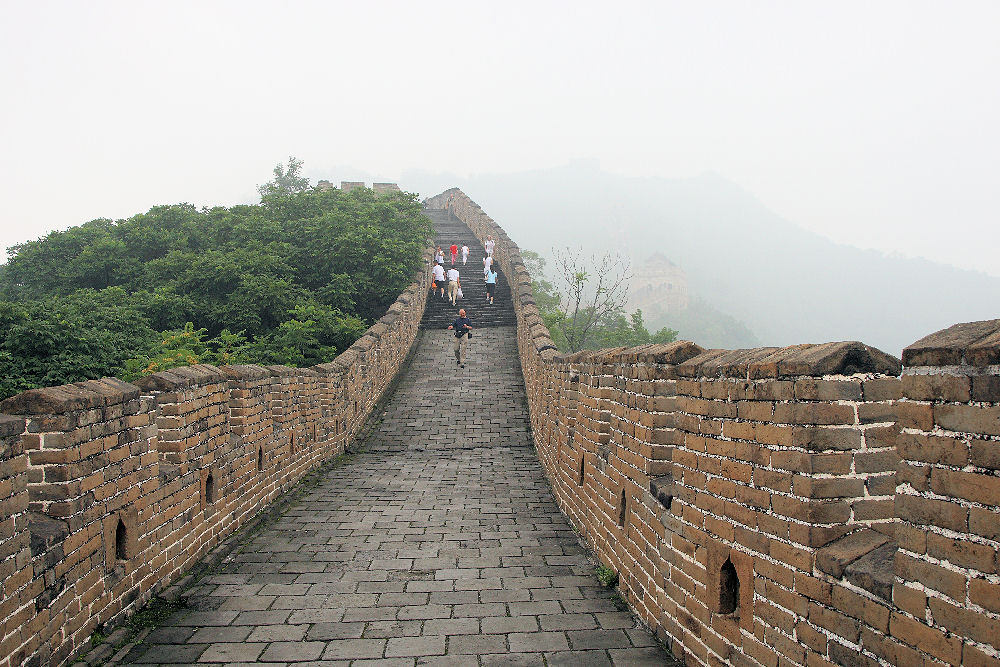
(658, 287)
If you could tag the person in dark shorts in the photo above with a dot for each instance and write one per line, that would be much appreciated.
(491, 283)
(462, 326)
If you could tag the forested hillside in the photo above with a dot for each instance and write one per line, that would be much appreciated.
(292, 280)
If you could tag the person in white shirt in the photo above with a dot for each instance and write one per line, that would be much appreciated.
(490, 243)
(465, 254)
(487, 264)
(453, 285)
(438, 273)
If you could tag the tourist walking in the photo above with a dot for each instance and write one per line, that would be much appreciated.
(438, 273)
(487, 264)
(465, 254)
(490, 244)
(462, 326)
(491, 283)
(453, 285)
(454, 253)
(439, 255)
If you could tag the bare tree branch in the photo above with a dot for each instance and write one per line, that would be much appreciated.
(589, 297)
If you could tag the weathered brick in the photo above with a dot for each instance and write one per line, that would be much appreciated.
(967, 485)
(964, 622)
(813, 413)
(985, 454)
(882, 389)
(984, 522)
(933, 576)
(964, 553)
(837, 623)
(948, 388)
(932, 512)
(968, 418)
(985, 594)
(927, 639)
(822, 439)
(877, 461)
(932, 449)
(910, 600)
(815, 389)
(985, 388)
(828, 487)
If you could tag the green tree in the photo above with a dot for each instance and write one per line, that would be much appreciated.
(62, 339)
(286, 181)
(186, 346)
(78, 302)
(315, 334)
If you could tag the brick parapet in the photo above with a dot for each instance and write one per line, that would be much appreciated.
(689, 469)
(947, 569)
(109, 491)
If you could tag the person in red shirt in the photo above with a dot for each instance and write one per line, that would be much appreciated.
(454, 253)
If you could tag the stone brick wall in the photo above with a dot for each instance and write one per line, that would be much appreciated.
(109, 491)
(752, 501)
(947, 587)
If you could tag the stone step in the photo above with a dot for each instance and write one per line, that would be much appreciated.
(439, 313)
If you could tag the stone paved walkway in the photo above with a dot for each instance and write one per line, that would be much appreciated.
(439, 543)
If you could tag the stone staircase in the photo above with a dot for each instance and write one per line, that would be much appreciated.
(440, 313)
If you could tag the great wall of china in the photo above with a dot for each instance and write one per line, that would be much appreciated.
(810, 505)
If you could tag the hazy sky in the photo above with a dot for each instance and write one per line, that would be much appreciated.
(874, 123)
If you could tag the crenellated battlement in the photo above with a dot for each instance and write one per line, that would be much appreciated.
(110, 491)
(810, 505)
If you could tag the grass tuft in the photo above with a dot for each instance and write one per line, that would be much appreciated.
(607, 576)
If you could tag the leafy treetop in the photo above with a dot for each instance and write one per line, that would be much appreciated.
(285, 181)
(292, 280)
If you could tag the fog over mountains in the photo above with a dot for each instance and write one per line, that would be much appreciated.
(787, 284)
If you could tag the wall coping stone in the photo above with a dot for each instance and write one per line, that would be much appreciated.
(280, 370)
(52, 400)
(182, 377)
(331, 368)
(841, 358)
(245, 372)
(11, 425)
(972, 343)
(364, 343)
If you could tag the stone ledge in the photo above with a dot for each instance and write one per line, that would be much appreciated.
(837, 556)
(168, 472)
(46, 532)
(662, 489)
(875, 571)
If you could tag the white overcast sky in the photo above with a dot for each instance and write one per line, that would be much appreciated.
(874, 123)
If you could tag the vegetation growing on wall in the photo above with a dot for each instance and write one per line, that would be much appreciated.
(292, 280)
